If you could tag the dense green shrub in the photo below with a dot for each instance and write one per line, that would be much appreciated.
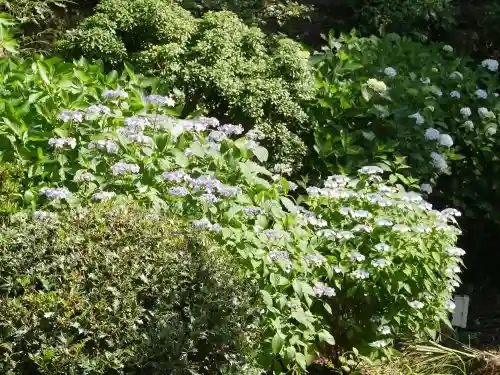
(11, 177)
(116, 287)
(386, 97)
(234, 71)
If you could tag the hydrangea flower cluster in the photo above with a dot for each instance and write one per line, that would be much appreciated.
(59, 143)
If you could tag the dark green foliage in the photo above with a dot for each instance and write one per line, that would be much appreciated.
(114, 290)
(235, 72)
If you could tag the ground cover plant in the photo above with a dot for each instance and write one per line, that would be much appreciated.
(315, 259)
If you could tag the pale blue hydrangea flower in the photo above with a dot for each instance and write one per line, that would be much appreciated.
(380, 263)
(455, 251)
(465, 112)
(315, 259)
(42, 215)
(337, 269)
(230, 129)
(209, 198)
(438, 161)
(401, 228)
(370, 169)
(159, 99)
(419, 119)
(97, 110)
(292, 186)
(481, 94)
(320, 290)
(123, 168)
(216, 136)
(361, 274)
(317, 222)
(252, 210)
(379, 344)
(114, 94)
(455, 94)
(86, 177)
(68, 115)
(55, 193)
(328, 233)
(276, 256)
(432, 134)
(58, 143)
(485, 112)
(381, 222)
(251, 144)
(362, 228)
(345, 235)
(229, 191)
(361, 214)
(176, 176)
(490, 64)
(390, 72)
(416, 304)
(426, 188)
(103, 196)
(201, 224)
(137, 123)
(385, 330)
(346, 211)
(445, 140)
(178, 191)
(140, 138)
(272, 234)
(313, 191)
(103, 144)
(356, 256)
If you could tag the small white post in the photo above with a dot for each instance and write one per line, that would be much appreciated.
(461, 311)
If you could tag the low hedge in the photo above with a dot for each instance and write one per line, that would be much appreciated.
(115, 290)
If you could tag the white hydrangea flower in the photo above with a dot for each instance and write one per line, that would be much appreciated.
(456, 75)
(419, 119)
(491, 130)
(490, 64)
(390, 72)
(465, 112)
(481, 94)
(379, 344)
(455, 94)
(432, 134)
(455, 251)
(468, 125)
(376, 85)
(426, 188)
(445, 140)
(416, 304)
(447, 48)
(438, 161)
(425, 81)
(485, 112)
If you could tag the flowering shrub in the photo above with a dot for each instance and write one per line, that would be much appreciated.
(316, 261)
(391, 97)
(116, 288)
(235, 72)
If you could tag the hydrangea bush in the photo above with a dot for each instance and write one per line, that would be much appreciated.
(389, 96)
(354, 264)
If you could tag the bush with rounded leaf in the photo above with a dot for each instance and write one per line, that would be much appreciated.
(235, 72)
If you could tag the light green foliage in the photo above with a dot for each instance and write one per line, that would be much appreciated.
(233, 71)
(8, 45)
(322, 276)
(115, 287)
(11, 189)
(363, 115)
